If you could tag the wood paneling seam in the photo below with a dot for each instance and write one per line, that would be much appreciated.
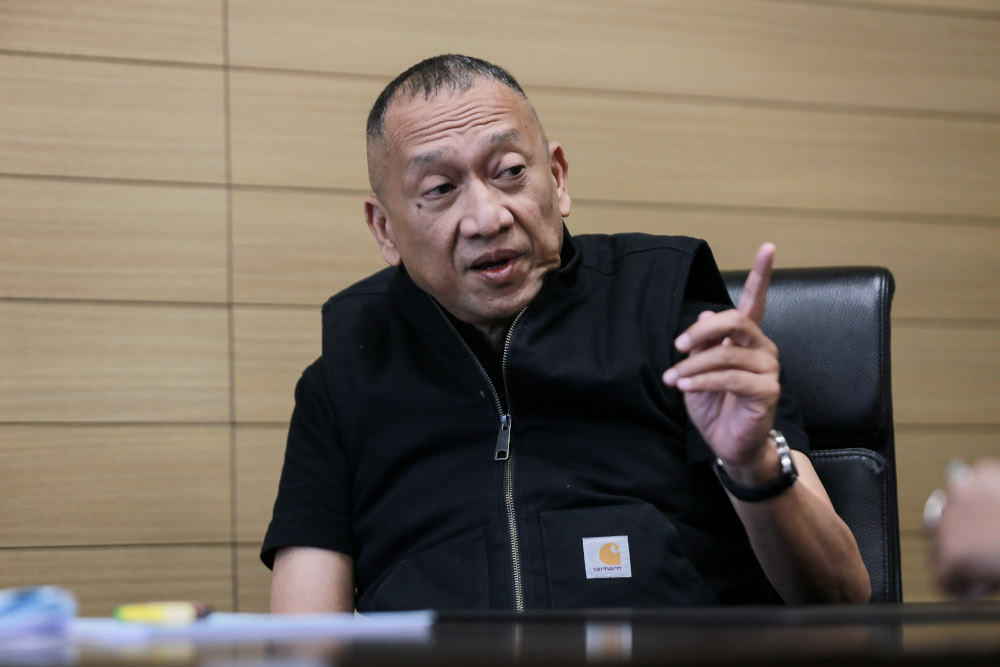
(687, 98)
(915, 8)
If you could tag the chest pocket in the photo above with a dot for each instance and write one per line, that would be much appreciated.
(618, 556)
(450, 575)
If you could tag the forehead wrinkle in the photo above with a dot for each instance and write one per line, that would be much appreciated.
(442, 128)
(466, 115)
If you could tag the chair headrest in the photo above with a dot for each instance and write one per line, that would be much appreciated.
(831, 326)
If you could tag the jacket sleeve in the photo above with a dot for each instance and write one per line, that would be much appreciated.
(313, 507)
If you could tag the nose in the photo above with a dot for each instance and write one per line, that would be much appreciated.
(484, 213)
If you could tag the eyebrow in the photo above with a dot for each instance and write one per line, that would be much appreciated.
(498, 138)
(430, 157)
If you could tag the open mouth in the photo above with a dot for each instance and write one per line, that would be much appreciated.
(495, 268)
(490, 266)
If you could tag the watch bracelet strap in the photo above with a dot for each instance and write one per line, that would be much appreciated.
(753, 494)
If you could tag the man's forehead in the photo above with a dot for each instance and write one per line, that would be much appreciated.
(419, 157)
(416, 120)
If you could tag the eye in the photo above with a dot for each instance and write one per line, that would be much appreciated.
(440, 190)
(514, 171)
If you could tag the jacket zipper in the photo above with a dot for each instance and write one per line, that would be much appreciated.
(502, 451)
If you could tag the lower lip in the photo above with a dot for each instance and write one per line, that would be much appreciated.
(500, 274)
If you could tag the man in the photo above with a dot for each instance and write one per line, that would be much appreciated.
(513, 418)
(963, 524)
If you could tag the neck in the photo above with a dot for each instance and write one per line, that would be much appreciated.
(495, 333)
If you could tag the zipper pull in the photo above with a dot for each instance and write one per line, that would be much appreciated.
(503, 439)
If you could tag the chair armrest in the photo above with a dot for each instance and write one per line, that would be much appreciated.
(859, 483)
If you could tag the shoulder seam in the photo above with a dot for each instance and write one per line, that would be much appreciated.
(659, 248)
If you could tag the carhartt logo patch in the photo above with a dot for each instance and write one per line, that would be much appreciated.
(606, 557)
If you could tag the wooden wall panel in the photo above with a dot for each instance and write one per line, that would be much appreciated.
(923, 453)
(86, 485)
(102, 578)
(64, 239)
(802, 52)
(111, 362)
(984, 8)
(272, 346)
(301, 248)
(253, 580)
(74, 118)
(304, 130)
(656, 150)
(181, 30)
(961, 284)
(918, 580)
(300, 130)
(296, 248)
(260, 451)
(942, 374)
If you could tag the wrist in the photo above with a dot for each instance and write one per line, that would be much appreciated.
(756, 491)
(757, 469)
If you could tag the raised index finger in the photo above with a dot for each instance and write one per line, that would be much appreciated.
(754, 297)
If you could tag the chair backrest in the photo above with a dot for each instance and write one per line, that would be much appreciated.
(831, 326)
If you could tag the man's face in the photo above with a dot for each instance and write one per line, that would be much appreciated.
(471, 200)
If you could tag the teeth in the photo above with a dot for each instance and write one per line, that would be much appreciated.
(491, 265)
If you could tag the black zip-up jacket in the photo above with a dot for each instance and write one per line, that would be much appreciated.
(393, 445)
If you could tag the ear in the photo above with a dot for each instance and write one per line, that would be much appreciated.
(381, 228)
(560, 172)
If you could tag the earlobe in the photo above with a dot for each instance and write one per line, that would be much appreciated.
(560, 172)
(381, 228)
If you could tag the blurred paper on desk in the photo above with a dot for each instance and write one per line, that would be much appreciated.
(229, 627)
(42, 610)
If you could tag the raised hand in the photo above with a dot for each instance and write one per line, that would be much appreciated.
(730, 376)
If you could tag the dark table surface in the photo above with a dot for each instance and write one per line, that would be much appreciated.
(909, 634)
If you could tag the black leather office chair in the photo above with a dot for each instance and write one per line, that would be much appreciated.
(831, 326)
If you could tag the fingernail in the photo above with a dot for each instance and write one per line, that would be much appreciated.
(683, 343)
(670, 377)
(933, 508)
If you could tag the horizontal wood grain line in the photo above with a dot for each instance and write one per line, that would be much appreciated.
(777, 104)
(220, 305)
(792, 211)
(695, 98)
(140, 424)
(904, 8)
(116, 60)
(123, 545)
(943, 427)
(937, 322)
(948, 428)
(114, 180)
(833, 214)
(954, 323)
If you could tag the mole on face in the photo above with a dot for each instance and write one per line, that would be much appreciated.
(419, 205)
